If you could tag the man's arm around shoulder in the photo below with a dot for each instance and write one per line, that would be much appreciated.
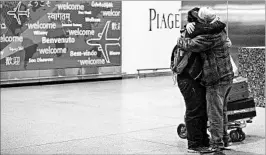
(197, 44)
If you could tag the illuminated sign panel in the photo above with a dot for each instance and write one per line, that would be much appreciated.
(59, 34)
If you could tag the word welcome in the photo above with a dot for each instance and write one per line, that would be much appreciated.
(50, 50)
(92, 62)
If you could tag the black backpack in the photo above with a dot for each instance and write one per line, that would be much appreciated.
(190, 63)
(178, 62)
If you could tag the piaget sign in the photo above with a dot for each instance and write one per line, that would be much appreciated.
(161, 20)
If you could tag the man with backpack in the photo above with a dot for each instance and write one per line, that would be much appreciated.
(188, 67)
(217, 75)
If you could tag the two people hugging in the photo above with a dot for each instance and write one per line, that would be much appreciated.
(201, 60)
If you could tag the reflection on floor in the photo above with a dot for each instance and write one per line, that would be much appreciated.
(130, 116)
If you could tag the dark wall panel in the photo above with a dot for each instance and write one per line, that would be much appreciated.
(245, 21)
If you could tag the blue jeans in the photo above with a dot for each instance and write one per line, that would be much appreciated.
(216, 97)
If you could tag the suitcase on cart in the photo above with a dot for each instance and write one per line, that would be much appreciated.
(239, 89)
(240, 113)
(241, 109)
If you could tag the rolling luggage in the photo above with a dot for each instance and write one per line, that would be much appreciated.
(241, 109)
(239, 114)
(239, 89)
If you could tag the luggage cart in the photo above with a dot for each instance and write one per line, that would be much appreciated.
(236, 133)
(241, 109)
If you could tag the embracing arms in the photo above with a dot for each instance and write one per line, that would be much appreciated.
(202, 43)
(195, 29)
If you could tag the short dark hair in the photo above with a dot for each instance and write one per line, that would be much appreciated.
(192, 15)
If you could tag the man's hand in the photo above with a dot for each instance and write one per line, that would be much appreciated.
(190, 27)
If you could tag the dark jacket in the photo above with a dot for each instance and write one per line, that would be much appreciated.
(190, 64)
(214, 51)
(204, 28)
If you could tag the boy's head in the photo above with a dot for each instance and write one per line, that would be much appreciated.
(207, 14)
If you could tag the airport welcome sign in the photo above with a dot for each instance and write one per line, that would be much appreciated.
(59, 34)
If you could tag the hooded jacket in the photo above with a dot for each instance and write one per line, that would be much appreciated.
(214, 51)
(190, 64)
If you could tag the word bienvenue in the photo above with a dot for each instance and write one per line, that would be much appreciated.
(58, 40)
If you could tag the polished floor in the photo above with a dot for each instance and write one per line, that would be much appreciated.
(130, 116)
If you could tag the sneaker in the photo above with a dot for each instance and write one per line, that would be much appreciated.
(216, 148)
(228, 143)
(199, 150)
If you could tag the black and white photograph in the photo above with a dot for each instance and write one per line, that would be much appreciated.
(178, 77)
